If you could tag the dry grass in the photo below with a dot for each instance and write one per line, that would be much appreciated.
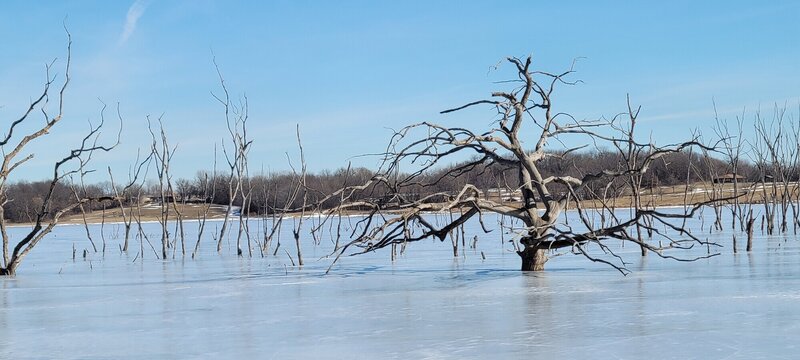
(653, 197)
(679, 195)
(149, 212)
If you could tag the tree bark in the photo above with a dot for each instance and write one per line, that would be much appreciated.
(533, 259)
(11, 270)
(749, 228)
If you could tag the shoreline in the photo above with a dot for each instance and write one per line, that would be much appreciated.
(664, 197)
(76, 220)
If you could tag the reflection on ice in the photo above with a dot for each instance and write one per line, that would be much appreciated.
(424, 305)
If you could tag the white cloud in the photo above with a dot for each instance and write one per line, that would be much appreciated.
(134, 13)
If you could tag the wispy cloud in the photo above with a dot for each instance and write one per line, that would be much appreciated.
(134, 13)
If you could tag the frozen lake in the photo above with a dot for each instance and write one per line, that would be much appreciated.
(425, 305)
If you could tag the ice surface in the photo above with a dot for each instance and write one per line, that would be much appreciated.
(425, 305)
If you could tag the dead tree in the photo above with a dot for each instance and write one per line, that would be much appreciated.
(13, 144)
(236, 117)
(767, 151)
(525, 110)
(631, 154)
(277, 217)
(131, 191)
(301, 186)
(244, 214)
(245, 185)
(79, 191)
(793, 147)
(732, 149)
(162, 155)
(203, 216)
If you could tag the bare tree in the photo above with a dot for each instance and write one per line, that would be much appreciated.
(207, 203)
(526, 110)
(129, 192)
(162, 154)
(732, 149)
(13, 145)
(768, 150)
(236, 117)
(276, 220)
(716, 179)
(79, 191)
(631, 154)
(302, 185)
(164, 158)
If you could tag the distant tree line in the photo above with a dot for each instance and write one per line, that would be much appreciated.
(270, 193)
(23, 199)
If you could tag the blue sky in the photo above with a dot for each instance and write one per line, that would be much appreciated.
(347, 71)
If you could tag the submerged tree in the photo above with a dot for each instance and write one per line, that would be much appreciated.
(22, 132)
(524, 113)
(235, 155)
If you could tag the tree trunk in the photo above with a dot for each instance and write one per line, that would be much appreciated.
(533, 259)
(749, 228)
(10, 270)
